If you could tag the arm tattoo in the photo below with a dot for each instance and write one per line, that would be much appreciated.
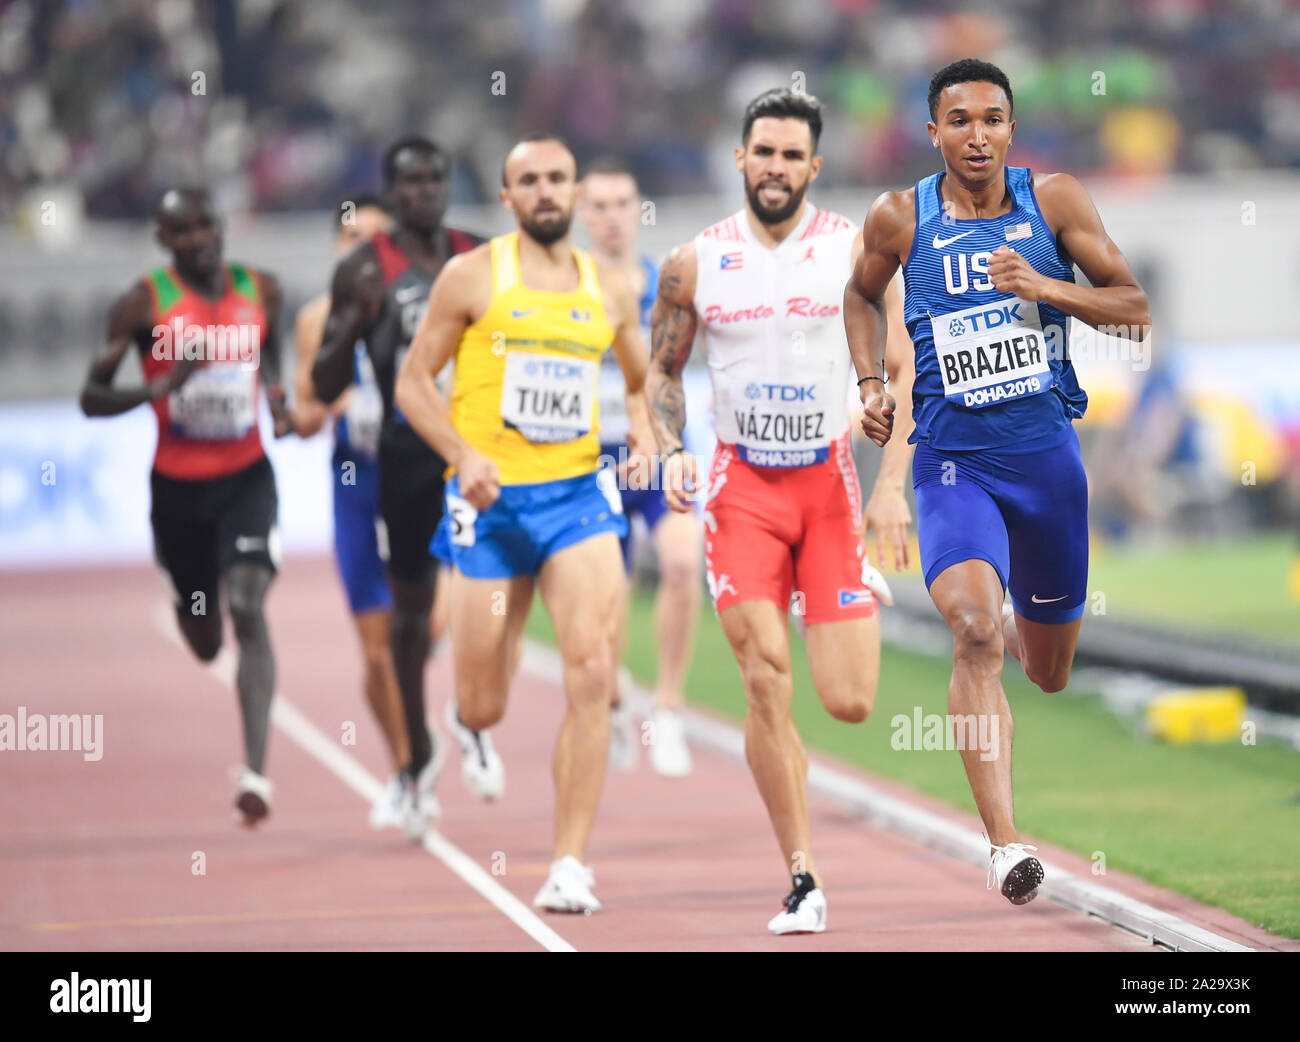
(671, 339)
(672, 335)
(669, 408)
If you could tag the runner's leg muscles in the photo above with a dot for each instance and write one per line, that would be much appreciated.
(677, 603)
(439, 620)
(487, 621)
(969, 597)
(381, 682)
(202, 632)
(412, 605)
(845, 661)
(580, 586)
(246, 586)
(1046, 650)
(760, 639)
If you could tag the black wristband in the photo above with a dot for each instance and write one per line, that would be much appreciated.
(669, 455)
(866, 378)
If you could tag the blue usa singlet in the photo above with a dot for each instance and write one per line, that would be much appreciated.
(991, 370)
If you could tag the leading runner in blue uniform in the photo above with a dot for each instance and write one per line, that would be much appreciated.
(988, 254)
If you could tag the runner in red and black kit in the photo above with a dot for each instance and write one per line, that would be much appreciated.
(207, 334)
(378, 295)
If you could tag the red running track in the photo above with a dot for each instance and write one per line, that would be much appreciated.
(102, 855)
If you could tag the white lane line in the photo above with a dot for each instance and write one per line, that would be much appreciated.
(925, 827)
(348, 769)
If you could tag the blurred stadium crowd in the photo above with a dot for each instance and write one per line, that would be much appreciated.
(286, 104)
(283, 107)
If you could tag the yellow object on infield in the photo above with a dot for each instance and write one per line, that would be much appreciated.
(1210, 714)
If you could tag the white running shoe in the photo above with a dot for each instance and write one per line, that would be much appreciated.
(420, 807)
(803, 911)
(386, 811)
(480, 767)
(568, 888)
(623, 737)
(1017, 871)
(668, 752)
(253, 798)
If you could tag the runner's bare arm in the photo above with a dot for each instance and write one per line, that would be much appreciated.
(128, 322)
(310, 412)
(450, 310)
(629, 348)
(269, 361)
(866, 321)
(356, 295)
(900, 368)
(672, 332)
(1114, 300)
(887, 512)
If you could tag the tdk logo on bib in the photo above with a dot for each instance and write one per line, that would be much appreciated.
(990, 319)
(555, 370)
(780, 392)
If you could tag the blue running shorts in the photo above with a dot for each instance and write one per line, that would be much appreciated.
(356, 535)
(529, 523)
(1024, 509)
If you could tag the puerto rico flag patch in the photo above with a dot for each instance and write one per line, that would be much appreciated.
(848, 598)
(732, 261)
(1019, 231)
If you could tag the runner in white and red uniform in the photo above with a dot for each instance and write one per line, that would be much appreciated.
(783, 516)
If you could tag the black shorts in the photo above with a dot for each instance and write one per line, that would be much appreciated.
(201, 528)
(411, 502)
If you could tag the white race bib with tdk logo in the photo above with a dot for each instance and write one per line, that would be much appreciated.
(216, 403)
(781, 423)
(548, 398)
(991, 353)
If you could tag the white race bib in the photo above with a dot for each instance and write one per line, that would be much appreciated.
(548, 398)
(991, 353)
(217, 403)
(364, 411)
(461, 516)
(612, 393)
(781, 424)
(608, 485)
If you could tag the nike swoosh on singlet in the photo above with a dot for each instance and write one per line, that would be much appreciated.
(408, 294)
(516, 313)
(1048, 600)
(941, 243)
